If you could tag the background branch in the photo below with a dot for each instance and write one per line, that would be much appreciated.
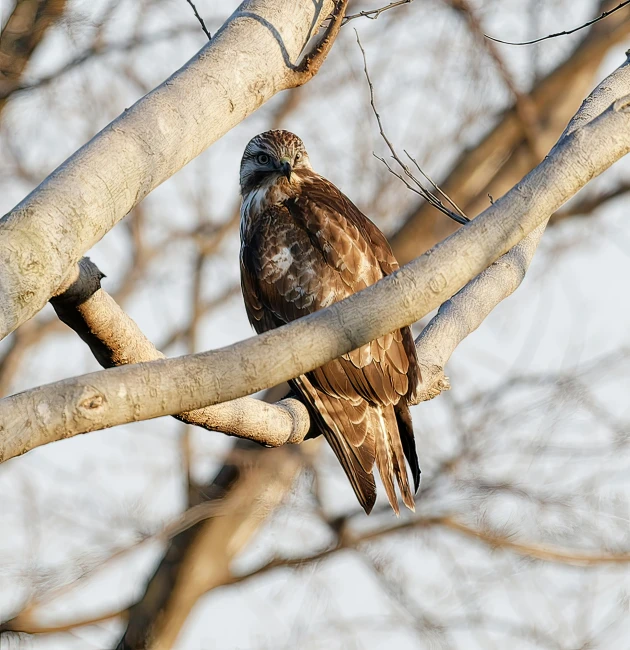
(22, 33)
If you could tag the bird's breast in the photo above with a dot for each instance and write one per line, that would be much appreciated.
(259, 199)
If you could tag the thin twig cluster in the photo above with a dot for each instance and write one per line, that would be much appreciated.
(409, 179)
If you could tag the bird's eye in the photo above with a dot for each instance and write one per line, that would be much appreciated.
(298, 156)
(262, 158)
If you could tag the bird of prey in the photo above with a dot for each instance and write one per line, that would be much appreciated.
(304, 246)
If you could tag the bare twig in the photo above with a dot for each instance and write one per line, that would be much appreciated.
(436, 187)
(417, 186)
(200, 19)
(373, 14)
(603, 15)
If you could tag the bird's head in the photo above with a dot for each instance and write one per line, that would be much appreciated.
(271, 156)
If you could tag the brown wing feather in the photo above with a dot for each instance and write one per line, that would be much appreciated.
(302, 256)
(358, 250)
(321, 192)
(405, 429)
(356, 460)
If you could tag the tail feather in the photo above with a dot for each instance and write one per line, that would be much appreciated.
(385, 459)
(357, 462)
(362, 481)
(387, 441)
(405, 430)
(390, 459)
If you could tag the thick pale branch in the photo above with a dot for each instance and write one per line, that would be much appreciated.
(115, 340)
(48, 232)
(468, 308)
(606, 92)
(171, 386)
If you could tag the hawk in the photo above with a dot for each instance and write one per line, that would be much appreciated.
(304, 246)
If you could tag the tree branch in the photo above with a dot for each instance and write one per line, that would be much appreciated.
(200, 559)
(347, 541)
(567, 556)
(467, 309)
(115, 340)
(171, 386)
(48, 232)
(21, 35)
(605, 14)
(200, 19)
(205, 540)
(312, 62)
(373, 14)
(587, 205)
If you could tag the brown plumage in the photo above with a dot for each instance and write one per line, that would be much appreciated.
(304, 246)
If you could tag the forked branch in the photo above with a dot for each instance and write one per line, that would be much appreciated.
(312, 62)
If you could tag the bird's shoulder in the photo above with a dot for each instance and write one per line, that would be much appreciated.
(332, 216)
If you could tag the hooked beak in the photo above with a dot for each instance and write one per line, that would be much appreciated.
(286, 168)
